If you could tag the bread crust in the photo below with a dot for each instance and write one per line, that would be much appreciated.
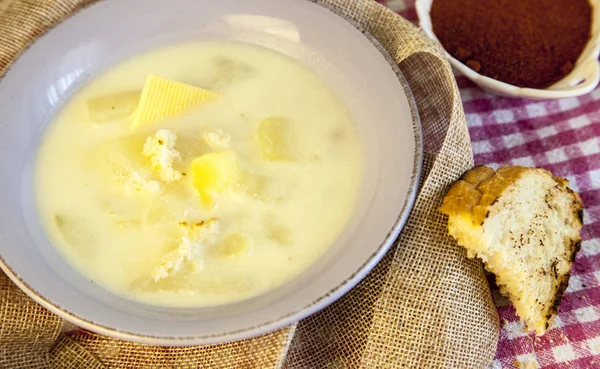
(479, 189)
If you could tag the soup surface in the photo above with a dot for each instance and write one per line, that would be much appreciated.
(199, 174)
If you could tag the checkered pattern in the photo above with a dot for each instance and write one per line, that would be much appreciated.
(562, 136)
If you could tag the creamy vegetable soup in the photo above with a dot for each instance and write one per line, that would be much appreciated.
(199, 174)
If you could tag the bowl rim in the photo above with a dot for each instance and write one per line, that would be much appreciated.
(587, 60)
(302, 311)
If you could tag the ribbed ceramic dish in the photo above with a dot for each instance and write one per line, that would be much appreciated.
(107, 32)
(583, 79)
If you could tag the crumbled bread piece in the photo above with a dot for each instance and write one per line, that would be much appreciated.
(216, 138)
(196, 238)
(160, 149)
(138, 183)
(524, 224)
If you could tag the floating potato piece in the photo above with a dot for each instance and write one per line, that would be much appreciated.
(191, 146)
(122, 156)
(162, 212)
(76, 232)
(279, 234)
(275, 139)
(234, 244)
(121, 213)
(214, 173)
(162, 98)
(229, 71)
(260, 187)
(253, 185)
(107, 108)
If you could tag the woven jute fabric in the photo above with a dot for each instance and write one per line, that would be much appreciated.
(425, 305)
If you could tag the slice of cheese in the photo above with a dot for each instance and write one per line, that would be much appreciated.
(162, 98)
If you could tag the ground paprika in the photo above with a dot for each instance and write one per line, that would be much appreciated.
(527, 43)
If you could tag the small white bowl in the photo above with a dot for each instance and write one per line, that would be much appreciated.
(583, 79)
(106, 32)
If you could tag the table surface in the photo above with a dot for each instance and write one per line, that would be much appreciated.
(562, 136)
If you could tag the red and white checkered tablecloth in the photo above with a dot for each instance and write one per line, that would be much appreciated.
(562, 136)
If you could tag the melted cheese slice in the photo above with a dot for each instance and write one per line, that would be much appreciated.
(162, 98)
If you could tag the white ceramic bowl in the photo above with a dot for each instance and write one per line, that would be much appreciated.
(58, 63)
(583, 79)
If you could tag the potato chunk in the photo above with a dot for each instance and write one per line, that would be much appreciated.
(214, 173)
(275, 139)
(76, 232)
(234, 244)
(118, 106)
(229, 72)
(121, 156)
(253, 185)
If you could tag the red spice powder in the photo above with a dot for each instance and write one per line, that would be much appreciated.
(527, 43)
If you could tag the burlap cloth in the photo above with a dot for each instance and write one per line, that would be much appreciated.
(425, 305)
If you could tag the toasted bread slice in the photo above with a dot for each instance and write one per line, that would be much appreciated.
(524, 224)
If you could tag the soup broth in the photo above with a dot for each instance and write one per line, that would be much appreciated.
(227, 172)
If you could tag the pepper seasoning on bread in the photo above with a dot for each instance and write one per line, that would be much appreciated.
(524, 224)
